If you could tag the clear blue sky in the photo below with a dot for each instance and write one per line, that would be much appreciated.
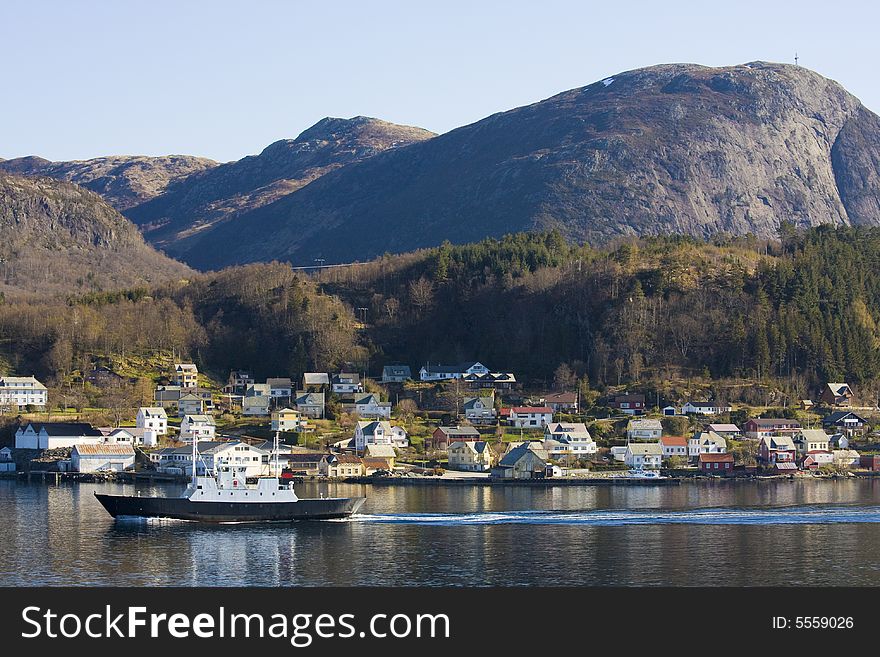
(224, 79)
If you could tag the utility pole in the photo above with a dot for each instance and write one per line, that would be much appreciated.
(796, 59)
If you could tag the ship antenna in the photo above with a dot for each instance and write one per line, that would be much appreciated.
(276, 456)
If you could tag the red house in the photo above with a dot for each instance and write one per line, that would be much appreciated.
(442, 436)
(870, 462)
(720, 464)
(629, 404)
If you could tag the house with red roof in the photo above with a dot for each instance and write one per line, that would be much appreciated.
(674, 446)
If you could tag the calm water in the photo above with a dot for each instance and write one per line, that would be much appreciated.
(736, 533)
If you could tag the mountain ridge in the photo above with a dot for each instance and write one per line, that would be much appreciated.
(673, 148)
(60, 237)
(177, 219)
(124, 181)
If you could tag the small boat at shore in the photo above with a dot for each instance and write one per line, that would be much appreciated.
(641, 474)
(226, 497)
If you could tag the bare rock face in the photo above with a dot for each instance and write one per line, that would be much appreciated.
(178, 219)
(123, 181)
(675, 148)
(61, 238)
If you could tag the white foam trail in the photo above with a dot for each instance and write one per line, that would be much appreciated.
(714, 516)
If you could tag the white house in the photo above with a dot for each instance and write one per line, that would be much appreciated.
(530, 416)
(811, 440)
(280, 387)
(705, 408)
(479, 410)
(213, 454)
(22, 391)
(153, 418)
(618, 453)
(197, 426)
(286, 419)
(107, 457)
(644, 430)
(7, 464)
(706, 442)
(369, 406)
(190, 404)
(379, 432)
(448, 372)
(644, 456)
(52, 435)
(674, 446)
(346, 382)
(573, 434)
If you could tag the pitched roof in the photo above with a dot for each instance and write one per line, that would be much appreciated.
(381, 451)
(22, 379)
(309, 398)
(674, 441)
(346, 458)
(716, 458)
(516, 453)
(644, 425)
(839, 389)
(397, 370)
(568, 430)
(316, 378)
(773, 421)
(150, 411)
(459, 431)
(724, 428)
(522, 410)
(64, 428)
(838, 416)
(105, 448)
(561, 398)
(469, 402)
(376, 463)
(814, 435)
(206, 419)
(780, 442)
(645, 449)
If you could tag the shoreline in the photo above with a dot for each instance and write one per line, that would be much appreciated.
(40, 476)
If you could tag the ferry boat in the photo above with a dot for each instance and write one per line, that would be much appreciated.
(226, 497)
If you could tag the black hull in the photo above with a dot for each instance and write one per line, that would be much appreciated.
(180, 508)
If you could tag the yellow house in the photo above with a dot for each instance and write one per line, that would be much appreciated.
(470, 455)
(286, 419)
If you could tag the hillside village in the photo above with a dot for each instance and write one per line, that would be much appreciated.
(462, 421)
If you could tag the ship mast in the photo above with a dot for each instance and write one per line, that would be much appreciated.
(195, 454)
(277, 474)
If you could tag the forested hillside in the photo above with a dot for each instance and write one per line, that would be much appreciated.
(797, 312)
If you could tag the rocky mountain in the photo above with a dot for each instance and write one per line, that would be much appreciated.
(675, 148)
(124, 181)
(177, 220)
(59, 237)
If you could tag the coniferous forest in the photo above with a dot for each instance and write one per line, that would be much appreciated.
(798, 311)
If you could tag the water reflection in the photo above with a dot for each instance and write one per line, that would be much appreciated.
(701, 534)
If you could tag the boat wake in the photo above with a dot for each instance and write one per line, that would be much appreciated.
(796, 515)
